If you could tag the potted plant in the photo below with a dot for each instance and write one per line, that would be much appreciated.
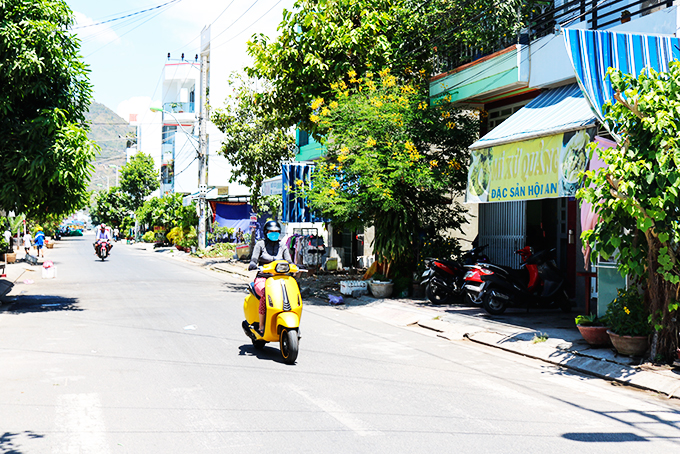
(594, 330)
(380, 286)
(629, 327)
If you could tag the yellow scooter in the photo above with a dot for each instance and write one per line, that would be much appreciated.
(283, 310)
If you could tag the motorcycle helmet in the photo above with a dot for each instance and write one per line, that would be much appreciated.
(271, 230)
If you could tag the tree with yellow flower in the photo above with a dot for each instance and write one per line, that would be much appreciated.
(387, 166)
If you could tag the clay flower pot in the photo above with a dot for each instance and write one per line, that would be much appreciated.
(629, 345)
(596, 336)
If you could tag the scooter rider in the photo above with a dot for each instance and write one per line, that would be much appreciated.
(102, 234)
(266, 251)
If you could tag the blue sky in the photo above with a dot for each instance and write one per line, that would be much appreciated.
(126, 57)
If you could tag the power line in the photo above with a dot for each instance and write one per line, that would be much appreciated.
(124, 17)
(248, 27)
(230, 25)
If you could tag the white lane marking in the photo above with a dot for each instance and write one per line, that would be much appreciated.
(80, 420)
(336, 412)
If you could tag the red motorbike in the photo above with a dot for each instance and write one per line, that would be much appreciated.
(103, 249)
(538, 282)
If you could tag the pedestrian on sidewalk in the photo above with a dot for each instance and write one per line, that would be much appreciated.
(39, 243)
(27, 240)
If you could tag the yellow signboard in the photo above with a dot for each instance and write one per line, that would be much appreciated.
(532, 169)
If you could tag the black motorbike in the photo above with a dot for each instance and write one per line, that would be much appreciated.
(444, 279)
(538, 283)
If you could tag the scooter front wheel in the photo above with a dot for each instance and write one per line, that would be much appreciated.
(289, 345)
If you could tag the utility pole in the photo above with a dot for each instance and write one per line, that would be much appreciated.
(202, 145)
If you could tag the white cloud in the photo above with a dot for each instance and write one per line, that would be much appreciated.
(99, 33)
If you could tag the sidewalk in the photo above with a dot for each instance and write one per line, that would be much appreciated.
(516, 331)
(520, 332)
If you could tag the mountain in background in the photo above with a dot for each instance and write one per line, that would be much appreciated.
(111, 133)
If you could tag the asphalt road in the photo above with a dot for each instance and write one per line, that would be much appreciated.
(145, 354)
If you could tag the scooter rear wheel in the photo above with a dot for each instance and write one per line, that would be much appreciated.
(436, 294)
(289, 345)
(494, 305)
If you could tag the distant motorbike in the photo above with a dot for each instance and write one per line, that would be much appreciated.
(444, 279)
(538, 283)
(103, 249)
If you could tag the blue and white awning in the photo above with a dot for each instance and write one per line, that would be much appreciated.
(593, 52)
(552, 112)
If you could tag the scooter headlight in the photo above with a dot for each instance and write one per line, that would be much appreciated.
(282, 267)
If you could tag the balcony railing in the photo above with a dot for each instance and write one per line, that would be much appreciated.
(596, 14)
(179, 107)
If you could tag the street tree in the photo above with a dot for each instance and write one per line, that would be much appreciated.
(44, 95)
(111, 207)
(393, 162)
(139, 178)
(167, 212)
(253, 146)
(636, 195)
(320, 41)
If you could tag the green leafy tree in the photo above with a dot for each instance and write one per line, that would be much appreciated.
(139, 178)
(44, 94)
(392, 162)
(111, 207)
(321, 40)
(167, 212)
(636, 195)
(254, 147)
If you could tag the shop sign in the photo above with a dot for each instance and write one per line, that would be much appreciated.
(541, 168)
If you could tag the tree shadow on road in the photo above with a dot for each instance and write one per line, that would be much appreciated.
(9, 443)
(26, 304)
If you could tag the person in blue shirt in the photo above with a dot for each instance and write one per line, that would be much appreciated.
(39, 241)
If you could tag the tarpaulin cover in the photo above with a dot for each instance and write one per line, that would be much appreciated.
(234, 215)
(593, 52)
(295, 209)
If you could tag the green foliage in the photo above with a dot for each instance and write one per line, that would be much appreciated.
(219, 250)
(392, 162)
(273, 204)
(44, 94)
(627, 315)
(636, 194)
(149, 237)
(321, 40)
(591, 320)
(4, 245)
(167, 212)
(139, 178)
(111, 207)
(253, 147)
(218, 233)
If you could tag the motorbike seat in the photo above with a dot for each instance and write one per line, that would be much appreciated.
(251, 289)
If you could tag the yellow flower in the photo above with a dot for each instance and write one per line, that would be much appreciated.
(352, 73)
(332, 192)
(454, 165)
(334, 86)
(384, 72)
(314, 118)
(371, 142)
(390, 81)
(298, 182)
(446, 114)
(325, 111)
(433, 163)
(410, 147)
(335, 184)
(450, 125)
(422, 106)
(377, 103)
(344, 150)
(331, 167)
(334, 104)
(626, 310)
(369, 74)
(342, 158)
(317, 103)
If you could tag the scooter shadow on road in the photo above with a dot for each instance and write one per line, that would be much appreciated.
(10, 443)
(26, 304)
(269, 353)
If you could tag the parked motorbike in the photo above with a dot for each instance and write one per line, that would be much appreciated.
(102, 249)
(284, 309)
(444, 279)
(538, 282)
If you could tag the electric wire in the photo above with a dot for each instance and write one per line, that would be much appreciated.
(239, 18)
(248, 27)
(124, 17)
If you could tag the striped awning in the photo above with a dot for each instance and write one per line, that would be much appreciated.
(552, 112)
(593, 52)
